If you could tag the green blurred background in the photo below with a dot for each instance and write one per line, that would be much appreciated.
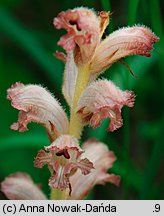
(28, 40)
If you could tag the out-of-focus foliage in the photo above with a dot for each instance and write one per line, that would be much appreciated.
(28, 41)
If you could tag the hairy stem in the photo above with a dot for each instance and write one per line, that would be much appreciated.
(76, 127)
(57, 194)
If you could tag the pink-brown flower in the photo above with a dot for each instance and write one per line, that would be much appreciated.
(63, 153)
(64, 157)
(85, 30)
(82, 25)
(102, 159)
(36, 104)
(136, 40)
(102, 99)
(19, 186)
(84, 44)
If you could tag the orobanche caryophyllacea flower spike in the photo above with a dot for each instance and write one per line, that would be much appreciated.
(88, 55)
(75, 170)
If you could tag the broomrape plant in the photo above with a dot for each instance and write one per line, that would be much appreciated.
(76, 169)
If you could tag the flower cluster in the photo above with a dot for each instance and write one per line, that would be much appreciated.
(74, 169)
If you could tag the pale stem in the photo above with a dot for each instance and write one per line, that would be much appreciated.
(75, 127)
(57, 194)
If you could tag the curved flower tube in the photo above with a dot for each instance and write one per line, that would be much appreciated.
(136, 40)
(36, 104)
(19, 186)
(102, 99)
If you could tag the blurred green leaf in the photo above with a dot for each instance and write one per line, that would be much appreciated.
(130, 175)
(153, 165)
(132, 11)
(156, 17)
(23, 141)
(17, 155)
(16, 31)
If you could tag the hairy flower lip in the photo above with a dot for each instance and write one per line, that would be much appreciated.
(135, 40)
(69, 21)
(65, 142)
(102, 99)
(103, 160)
(83, 32)
(36, 104)
(63, 159)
